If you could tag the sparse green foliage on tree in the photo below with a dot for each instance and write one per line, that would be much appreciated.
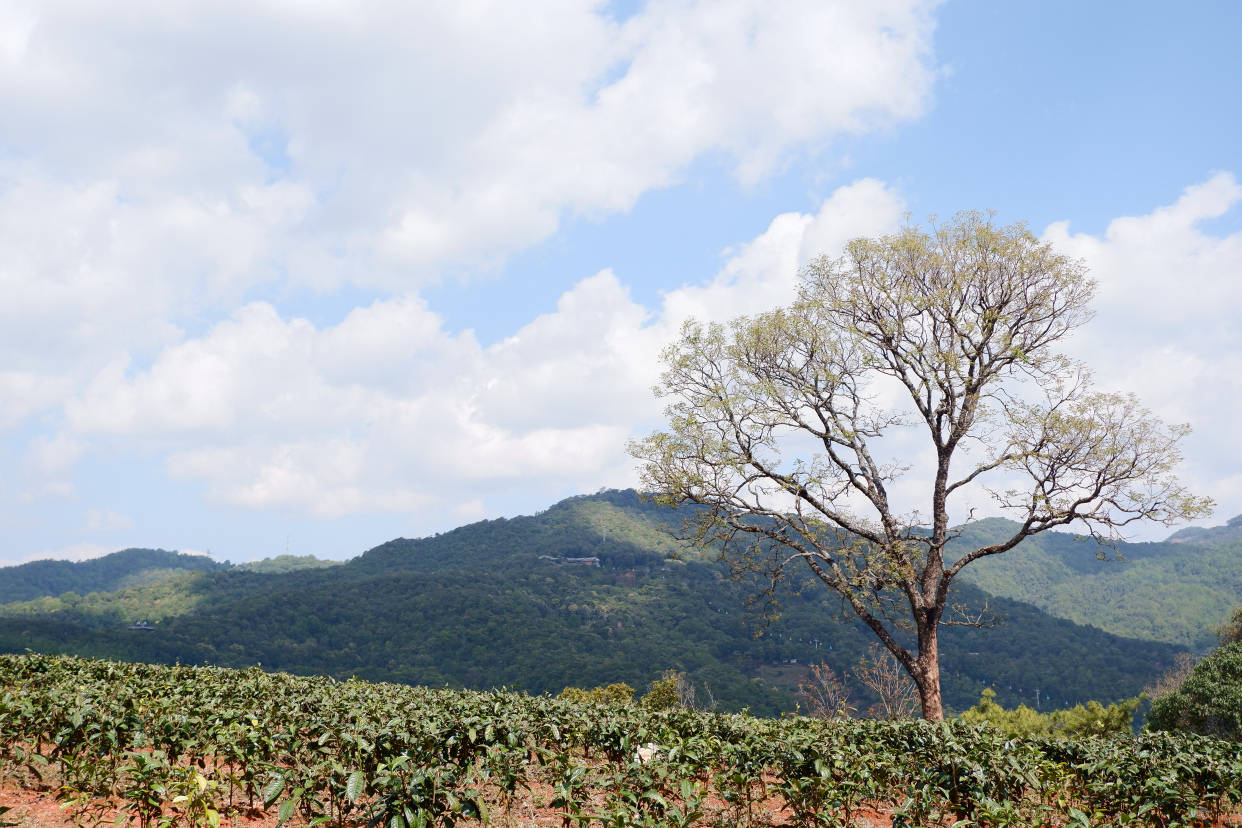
(825, 694)
(880, 672)
(777, 425)
(1171, 680)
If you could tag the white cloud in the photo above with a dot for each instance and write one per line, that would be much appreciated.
(23, 393)
(103, 520)
(48, 465)
(1161, 268)
(16, 26)
(170, 174)
(73, 552)
(1167, 323)
(763, 273)
(205, 553)
(162, 164)
(386, 411)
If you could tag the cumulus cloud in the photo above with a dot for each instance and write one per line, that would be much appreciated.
(98, 520)
(162, 165)
(1162, 268)
(171, 174)
(388, 411)
(73, 552)
(1166, 324)
(762, 273)
(48, 464)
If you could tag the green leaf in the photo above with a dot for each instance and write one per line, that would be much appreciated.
(355, 785)
(272, 791)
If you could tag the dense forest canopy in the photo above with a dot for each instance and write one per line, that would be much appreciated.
(494, 604)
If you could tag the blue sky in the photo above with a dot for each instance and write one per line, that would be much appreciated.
(311, 276)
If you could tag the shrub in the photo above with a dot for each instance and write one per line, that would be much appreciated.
(1093, 719)
(616, 693)
(666, 692)
(1210, 699)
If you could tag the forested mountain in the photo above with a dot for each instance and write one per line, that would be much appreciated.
(287, 563)
(1176, 591)
(129, 567)
(1228, 535)
(588, 592)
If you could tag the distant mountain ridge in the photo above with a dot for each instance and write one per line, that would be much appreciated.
(128, 567)
(1230, 533)
(125, 568)
(1176, 591)
(482, 606)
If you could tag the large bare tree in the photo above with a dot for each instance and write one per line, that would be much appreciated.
(782, 424)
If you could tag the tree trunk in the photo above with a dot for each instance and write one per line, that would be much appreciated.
(929, 697)
(928, 679)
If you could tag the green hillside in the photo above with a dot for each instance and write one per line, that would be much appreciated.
(129, 567)
(1228, 535)
(588, 592)
(287, 563)
(126, 586)
(1175, 591)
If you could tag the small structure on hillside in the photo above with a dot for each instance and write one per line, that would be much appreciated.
(589, 561)
(142, 625)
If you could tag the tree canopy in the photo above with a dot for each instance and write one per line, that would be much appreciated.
(779, 424)
(1209, 700)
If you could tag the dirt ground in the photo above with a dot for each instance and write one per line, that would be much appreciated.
(40, 809)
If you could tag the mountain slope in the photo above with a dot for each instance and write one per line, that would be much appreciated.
(129, 567)
(503, 602)
(1175, 591)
